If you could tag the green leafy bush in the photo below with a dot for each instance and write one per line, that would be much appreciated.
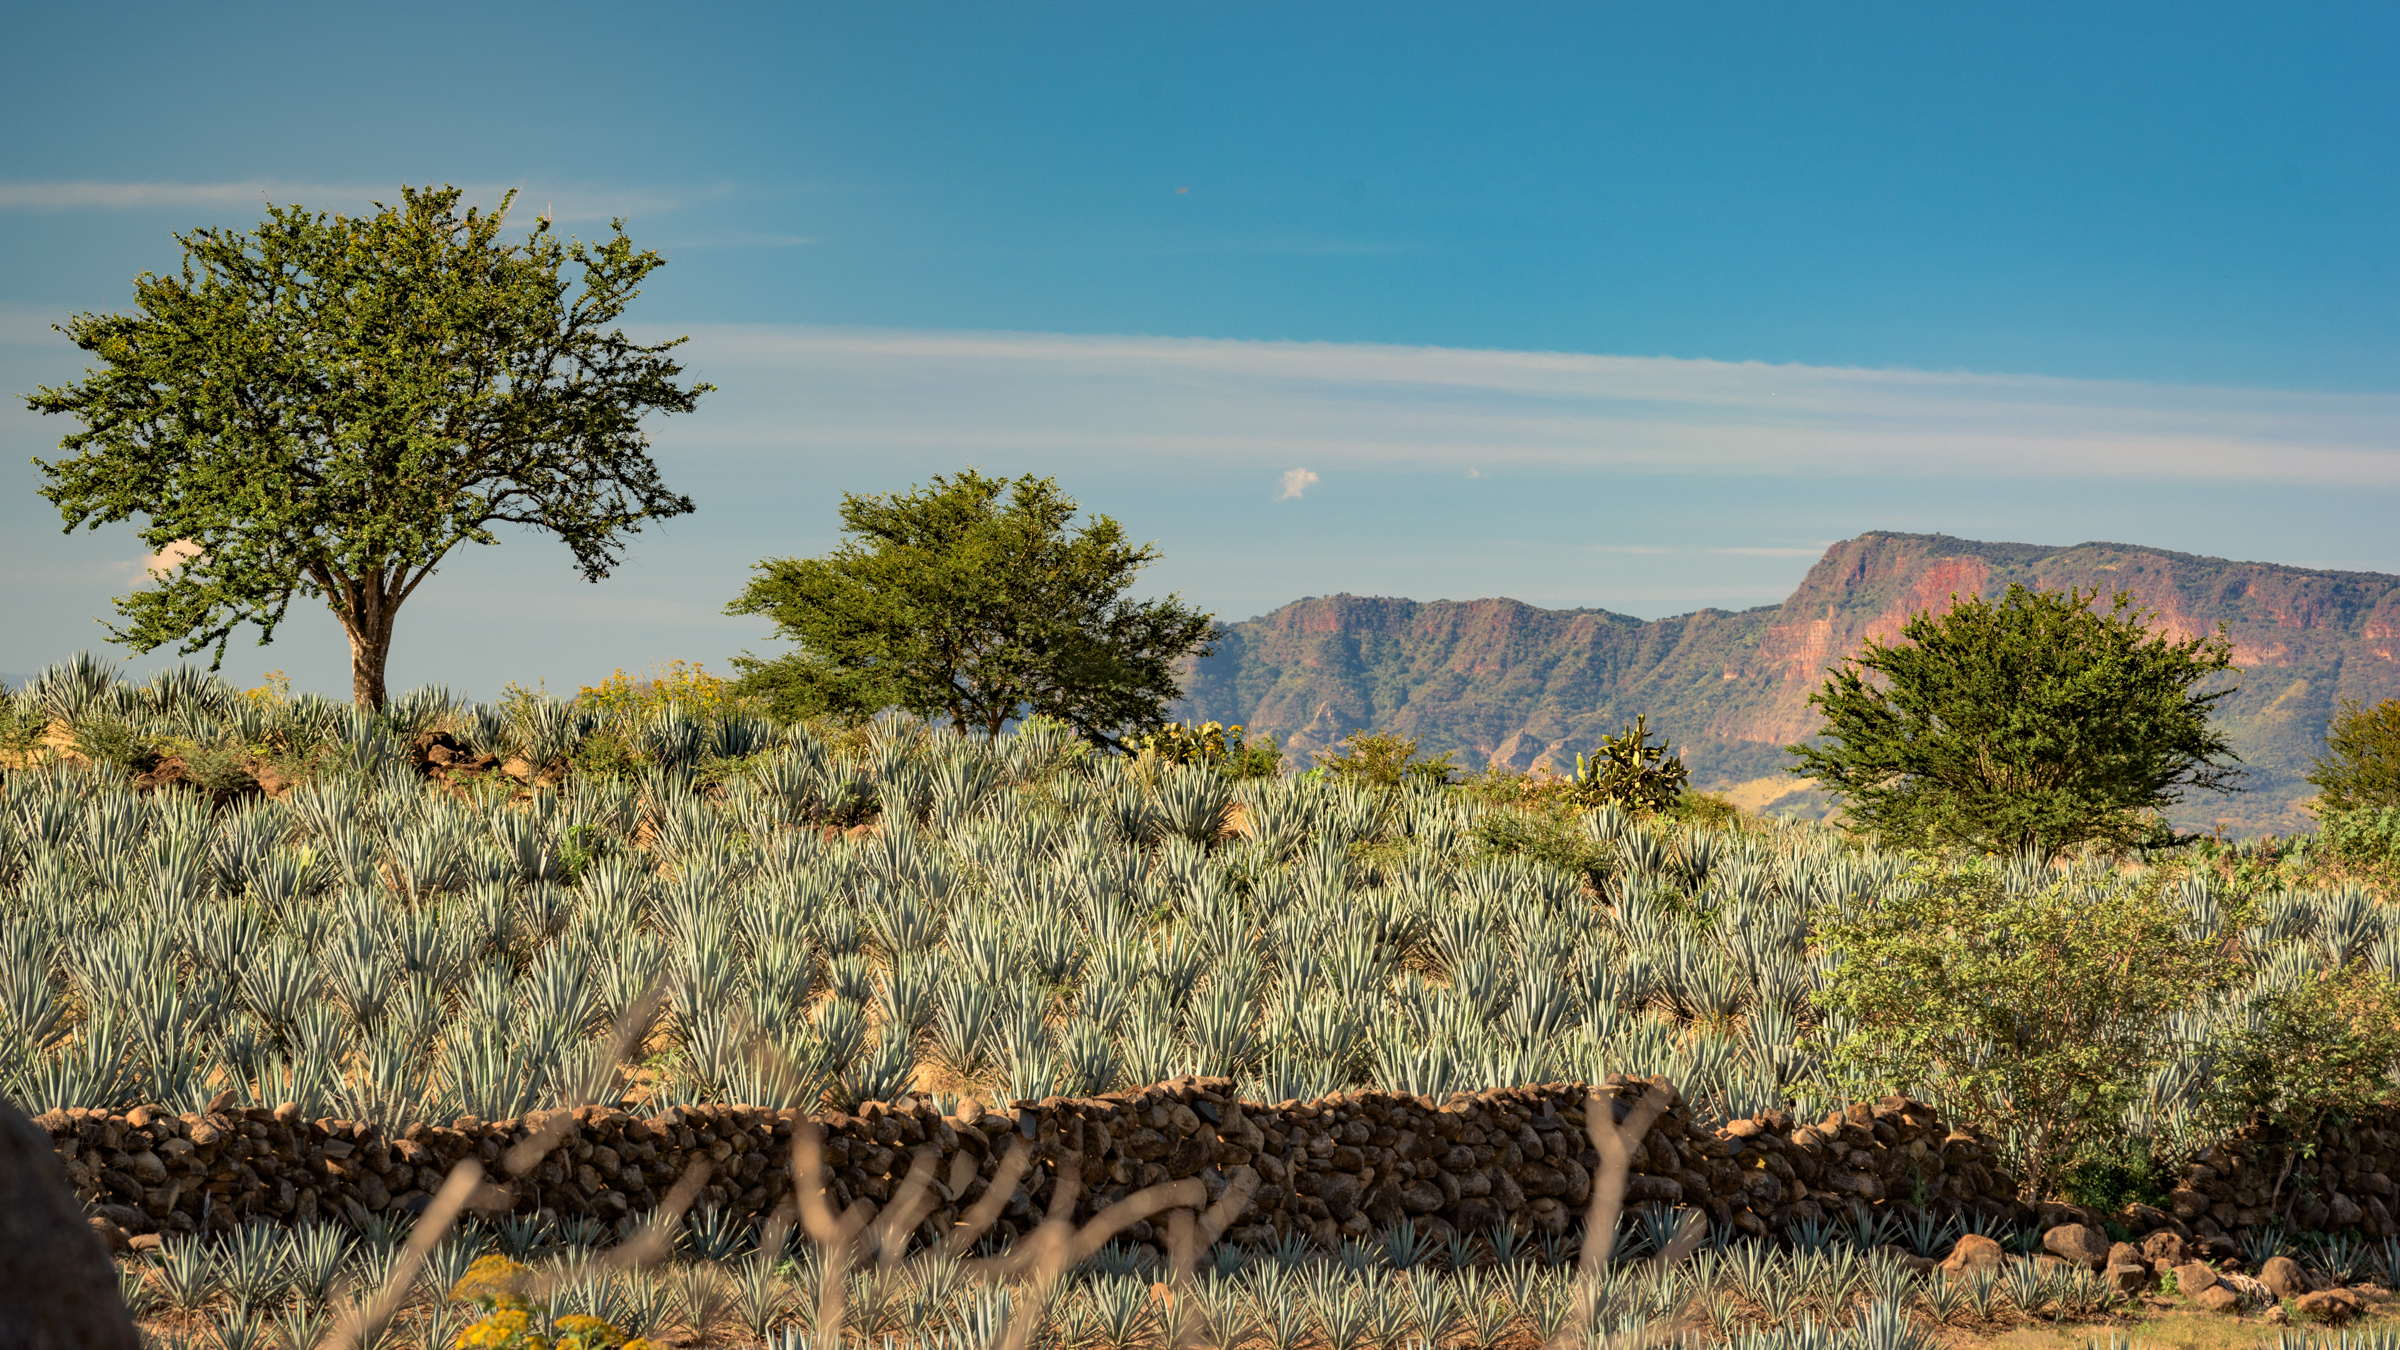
(219, 768)
(108, 740)
(2321, 1047)
(1384, 759)
(2036, 1012)
(23, 724)
(1552, 836)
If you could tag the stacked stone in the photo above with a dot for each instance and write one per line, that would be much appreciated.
(2341, 1179)
(1345, 1165)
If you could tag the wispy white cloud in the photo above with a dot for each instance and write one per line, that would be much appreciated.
(564, 203)
(1432, 408)
(1295, 482)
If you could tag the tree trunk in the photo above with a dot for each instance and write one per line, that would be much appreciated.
(367, 655)
(373, 602)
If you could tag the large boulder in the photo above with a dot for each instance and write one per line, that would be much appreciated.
(2074, 1243)
(2194, 1278)
(2281, 1275)
(1973, 1252)
(58, 1289)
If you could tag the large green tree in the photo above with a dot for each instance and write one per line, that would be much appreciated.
(972, 599)
(325, 406)
(2030, 724)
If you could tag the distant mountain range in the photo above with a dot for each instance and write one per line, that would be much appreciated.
(1499, 682)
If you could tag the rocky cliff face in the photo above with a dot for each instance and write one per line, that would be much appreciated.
(1500, 682)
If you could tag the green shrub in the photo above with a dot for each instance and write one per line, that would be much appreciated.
(2113, 1174)
(1554, 836)
(107, 740)
(1384, 759)
(23, 724)
(2037, 1013)
(1703, 809)
(2366, 837)
(2319, 1048)
(219, 768)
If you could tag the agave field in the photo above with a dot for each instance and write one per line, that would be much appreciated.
(267, 1287)
(821, 918)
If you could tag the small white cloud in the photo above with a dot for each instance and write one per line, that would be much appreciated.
(1295, 482)
(1474, 473)
(166, 560)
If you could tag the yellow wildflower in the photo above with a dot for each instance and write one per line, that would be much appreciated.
(490, 1280)
(587, 1332)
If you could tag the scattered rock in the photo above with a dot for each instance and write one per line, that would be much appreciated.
(111, 1234)
(2192, 1279)
(2129, 1278)
(2165, 1251)
(2077, 1244)
(1973, 1252)
(2219, 1299)
(2140, 1218)
(2332, 1306)
(2248, 1290)
(2283, 1278)
(1918, 1265)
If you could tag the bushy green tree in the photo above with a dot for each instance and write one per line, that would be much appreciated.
(1385, 759)
(973, 599)
(2031, 725)
(2036, 1013)
(325, 406)
(2360, 770)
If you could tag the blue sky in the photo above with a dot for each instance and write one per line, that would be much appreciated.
(1609, 305)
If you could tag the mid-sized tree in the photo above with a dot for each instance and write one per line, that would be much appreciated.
(2360, 770)
(977, 601)
(327, 405)
(2033, 724)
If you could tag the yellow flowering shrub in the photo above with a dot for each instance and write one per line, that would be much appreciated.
(512, 1322)
(492, 1281)
(622, 697)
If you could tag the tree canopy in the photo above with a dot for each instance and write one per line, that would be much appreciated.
(2360, 769)
(2034, 724)
(971, 599)
(325, 406)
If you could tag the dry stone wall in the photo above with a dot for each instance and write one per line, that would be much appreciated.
(1344, 1165)
(2342, 1178)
